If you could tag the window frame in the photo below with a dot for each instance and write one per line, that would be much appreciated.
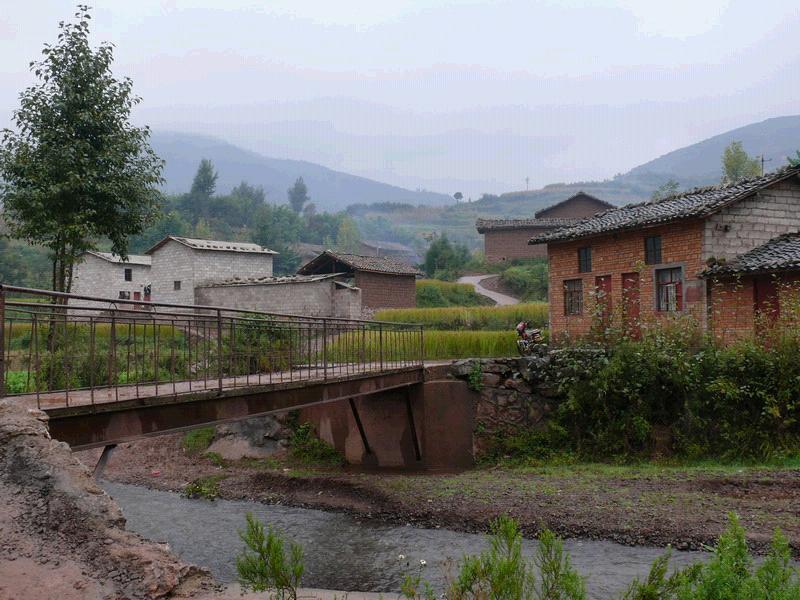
(127, 274)
(573, 298)
(656, 250)
(124, 295)
(176, 285)
(678, 285)
(585, 259)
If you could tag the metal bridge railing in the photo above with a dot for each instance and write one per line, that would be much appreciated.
(64, 349)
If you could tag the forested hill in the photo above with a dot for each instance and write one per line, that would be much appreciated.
(330, 190)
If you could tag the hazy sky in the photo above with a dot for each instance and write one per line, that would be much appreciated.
(549, 84)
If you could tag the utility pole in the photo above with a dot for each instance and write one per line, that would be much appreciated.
(763, 160)
(527, 180)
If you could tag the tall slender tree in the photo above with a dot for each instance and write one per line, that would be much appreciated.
(298, 195)
(738, 165)
(74, 170)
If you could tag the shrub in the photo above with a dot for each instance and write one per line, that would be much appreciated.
(264, 565)
(203, 487)
(432, 293)
(197, 440)
(528, 282)
(19, 382)
(307, 447)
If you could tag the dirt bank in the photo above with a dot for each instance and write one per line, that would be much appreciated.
(646, 505)
(63, 537)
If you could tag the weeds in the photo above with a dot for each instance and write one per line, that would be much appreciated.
(306, 447)
(475, 377)
(264, 564)
(197, 440)
(204, 487)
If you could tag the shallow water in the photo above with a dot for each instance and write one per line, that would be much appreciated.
(346, 553)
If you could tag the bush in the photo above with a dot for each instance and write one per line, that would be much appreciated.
(203, 487)
(432, 293)
(307, 447)
(263, 564)
(528, 282)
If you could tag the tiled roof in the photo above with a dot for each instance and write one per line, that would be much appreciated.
(358, 262)
(781, 253)
(484, 225)
(217, 245)
(133, 259)
(574, 197)
(236, 281)
(392, 246)
(697, 203)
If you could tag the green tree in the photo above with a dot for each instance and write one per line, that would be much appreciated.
(75, 170)
(794, 161)
(348, 239)
(445, 260)
(298, 195)
(264, 563)
(738, 165)
(197, 203)
(665, 190)
(279, 228)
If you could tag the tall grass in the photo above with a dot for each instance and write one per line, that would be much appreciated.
(432, 293)
(486, 318)
(365, 347)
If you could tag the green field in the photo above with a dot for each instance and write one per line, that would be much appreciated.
(485, 318)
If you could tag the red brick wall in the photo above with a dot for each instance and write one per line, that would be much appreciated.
(732, 305)
(502, 245)
(624, 253)
(574, 209)
(384, 290)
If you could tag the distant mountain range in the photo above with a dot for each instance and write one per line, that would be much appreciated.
(330, 190)
(695, 165)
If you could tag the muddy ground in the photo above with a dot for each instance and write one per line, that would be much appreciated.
(642, 505)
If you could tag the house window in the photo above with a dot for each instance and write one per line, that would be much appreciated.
(573, 296)
(124, 295)
(669, 290)
(652, 250)
(585, 259)
(128, 274)
(176, 285)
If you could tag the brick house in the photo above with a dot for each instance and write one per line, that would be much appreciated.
(507, 239)
(106, 274)
(647, 261)
(384, 281)
(753, 289)
(181, 264)
(328, 295)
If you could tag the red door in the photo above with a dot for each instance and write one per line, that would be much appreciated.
(765, 299)
(631, 303)
(602, 285)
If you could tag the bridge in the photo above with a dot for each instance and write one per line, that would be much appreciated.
(108, 371)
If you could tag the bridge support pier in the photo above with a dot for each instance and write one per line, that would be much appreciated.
(103, 460)
(428, 425)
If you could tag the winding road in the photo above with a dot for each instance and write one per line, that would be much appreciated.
(475, 281)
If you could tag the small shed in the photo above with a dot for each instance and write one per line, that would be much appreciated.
(384, 281)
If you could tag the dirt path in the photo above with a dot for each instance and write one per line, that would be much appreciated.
(649, 505)
(475, 281)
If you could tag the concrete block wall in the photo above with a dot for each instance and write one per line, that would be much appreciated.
(753, 221)
(176, 262)
(97, 277)
(310, 299)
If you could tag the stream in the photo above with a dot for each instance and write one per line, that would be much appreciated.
(344, 552)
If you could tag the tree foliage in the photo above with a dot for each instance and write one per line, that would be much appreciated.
(794, 161)
(738, 165)
(347, 237)
(298, 195)
(665, 190)
(74, 170)
(445, 260)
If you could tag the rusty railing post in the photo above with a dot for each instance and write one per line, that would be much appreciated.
(421, 345)
(219, 349)
(2, 342)
(325, 349)
(380, 345)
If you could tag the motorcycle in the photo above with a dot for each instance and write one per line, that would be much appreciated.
(528, 338)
